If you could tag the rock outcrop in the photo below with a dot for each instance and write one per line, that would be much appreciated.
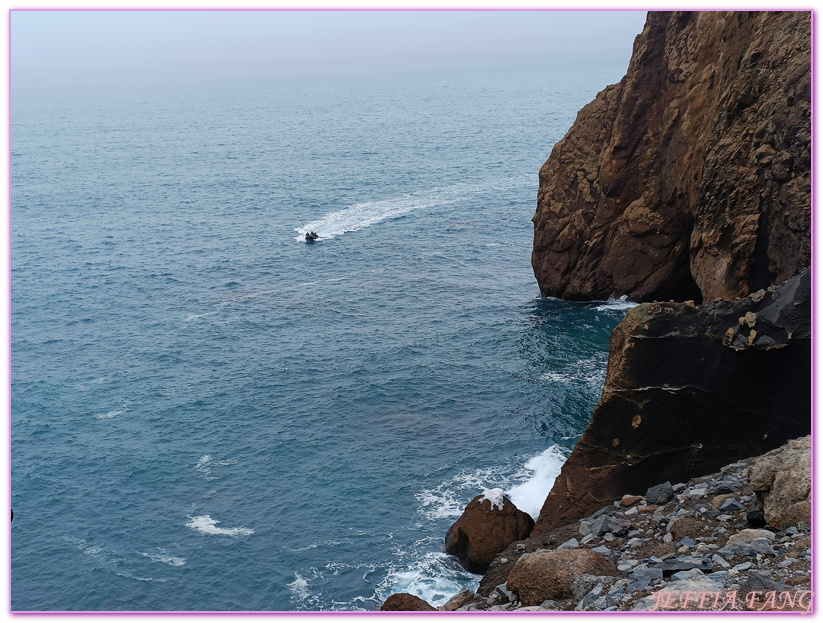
(696, 551)
(549, 573)
(782, 480)
(691, 178)
(405, 602)
(688, 389)
(487, 526)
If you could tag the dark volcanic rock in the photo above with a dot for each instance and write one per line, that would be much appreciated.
(660, 494)
(484, 530)
(405, 602)
(683, 563)
(549, 574)
(690, 388)
(691, 177)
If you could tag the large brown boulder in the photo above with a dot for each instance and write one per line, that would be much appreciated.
(487, 526)
(689, 389)
(405, 602)
(691, 178)
(548, 574)
(782, 480)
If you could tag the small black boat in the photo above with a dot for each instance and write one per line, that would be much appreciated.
(311, 236)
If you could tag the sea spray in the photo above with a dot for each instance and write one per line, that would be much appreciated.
(540, 472)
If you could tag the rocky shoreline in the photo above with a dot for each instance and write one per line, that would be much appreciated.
(738, 539)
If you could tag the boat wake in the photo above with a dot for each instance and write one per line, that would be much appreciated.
(362, 215)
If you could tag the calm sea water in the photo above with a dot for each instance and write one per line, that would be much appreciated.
(210, 414)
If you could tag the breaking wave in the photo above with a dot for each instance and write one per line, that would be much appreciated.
(619, 304)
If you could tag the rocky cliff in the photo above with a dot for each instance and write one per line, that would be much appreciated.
(690, 179)
(688, 389)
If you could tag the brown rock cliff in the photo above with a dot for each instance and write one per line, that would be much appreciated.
(690, 179)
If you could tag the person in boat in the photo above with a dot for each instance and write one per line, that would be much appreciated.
(311, 236)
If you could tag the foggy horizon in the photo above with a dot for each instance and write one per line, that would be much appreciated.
(96, 47)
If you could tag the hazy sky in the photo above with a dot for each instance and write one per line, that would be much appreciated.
(75, 47)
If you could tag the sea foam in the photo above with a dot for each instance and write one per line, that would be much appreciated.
(434, 578)
(204, 524)
(619, 304)
(526, 486)
(173, 561)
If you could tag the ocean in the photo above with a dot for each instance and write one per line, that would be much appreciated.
(209, 413)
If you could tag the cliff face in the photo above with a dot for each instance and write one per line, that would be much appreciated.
(690, 388)
(690, 179)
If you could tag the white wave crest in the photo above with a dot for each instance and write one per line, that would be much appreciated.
(449, 498)
(537, 476)
(204, 524)
(620, 304)
(526, 486)
(435, 578)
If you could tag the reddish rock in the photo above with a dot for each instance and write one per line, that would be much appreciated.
(628, 500)
(782, 481)
(690, 179)
(465, 596)
(686, 393)
(484, 530)
(406, 603)
(548, 574)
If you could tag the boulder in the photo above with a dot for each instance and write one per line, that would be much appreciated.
(465, 596)
(550, 574)
(747, 535)
(405, 602)
(628, 499)
(660, 494)
(687, 391)
(782, 482)
(487, 526)
(691, 178)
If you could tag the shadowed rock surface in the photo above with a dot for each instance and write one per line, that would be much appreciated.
(690, 179)
(688, 389)
(484, 530)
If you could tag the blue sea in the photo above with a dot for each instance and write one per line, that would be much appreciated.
(209, 413)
